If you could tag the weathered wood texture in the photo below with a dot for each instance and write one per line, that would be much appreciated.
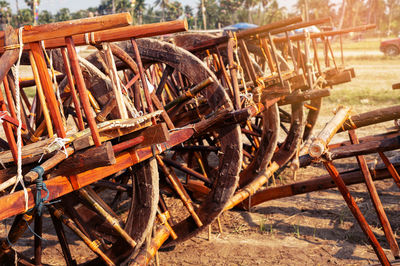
(315, 184)
(87, 159)
(10, 56)
(211, 43)
(351, 203)
(50, 163)
(252, 187)
(305, 96)
(372, 117)
(146, 255)
(387, 229)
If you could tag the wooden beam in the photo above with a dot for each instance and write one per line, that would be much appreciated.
(118, 34)
(72, 27)
(14, 204)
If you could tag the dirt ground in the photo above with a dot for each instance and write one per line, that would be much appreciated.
(311, 229)
(315, 228)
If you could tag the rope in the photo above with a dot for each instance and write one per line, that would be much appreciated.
(89, 39)
(2, 115)
(248, 96)
(56, 144)
(240, 69)
(15, 70)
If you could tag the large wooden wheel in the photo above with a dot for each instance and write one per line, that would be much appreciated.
(213, 156)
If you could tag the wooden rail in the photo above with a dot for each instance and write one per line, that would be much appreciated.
(72, 27)
(326, 33)
(118, 34)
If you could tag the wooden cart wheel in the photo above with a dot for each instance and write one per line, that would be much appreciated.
(135, 214)
(269, 125)
(135, 209)
(183, 70)
(268, 132)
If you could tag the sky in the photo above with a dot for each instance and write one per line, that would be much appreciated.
(74, 5)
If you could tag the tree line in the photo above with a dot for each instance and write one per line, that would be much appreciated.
(212, 14)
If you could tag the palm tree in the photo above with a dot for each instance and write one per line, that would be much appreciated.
(45, 17)
(249, 4)
(140, 6)
(174, 10)
(5, 12)
(63, 14)
(25, 16)
(164, 4)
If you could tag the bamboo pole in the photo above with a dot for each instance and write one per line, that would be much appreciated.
(62, 240)
(180, 190)
(147, 254)
(48, 90)
(301, 25)
(326, 33)
(164, 217)
(40, 93)
(189, 94)
(187, 170)
(208, 44)
(252, 187)
(372, 117)
(367, 147)
(110, 219)
(304, 96)
(71, 85)
(115, 81)
(93, 245)
(319, 145)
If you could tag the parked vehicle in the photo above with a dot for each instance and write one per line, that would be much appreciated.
(390, 47)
